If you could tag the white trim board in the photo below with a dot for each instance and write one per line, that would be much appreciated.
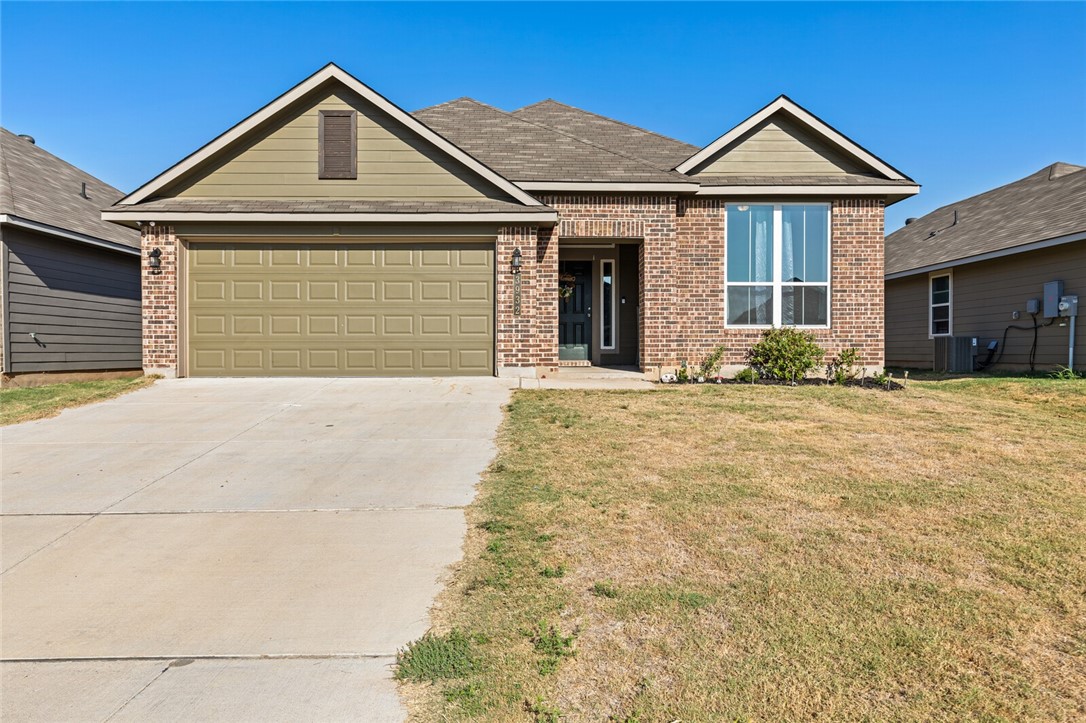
(777, 191)
(69, 235)
(811, 121)
(328, 72)
(541, 217)
(1035, 246)
(608, 186)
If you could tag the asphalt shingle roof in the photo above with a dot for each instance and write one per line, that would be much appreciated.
(522, 150)
(320, 205)
(37, 186)
(660, 151)
(1047, 204)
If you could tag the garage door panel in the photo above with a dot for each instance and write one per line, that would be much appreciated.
(362, 310)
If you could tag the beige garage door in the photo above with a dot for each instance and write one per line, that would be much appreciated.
(393, 309)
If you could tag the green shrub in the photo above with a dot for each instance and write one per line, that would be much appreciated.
(747, 376)
(842, 368)
(437, 657)
(711, 363)
(787, 354)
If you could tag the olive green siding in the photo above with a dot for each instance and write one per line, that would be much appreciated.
(985, 295)
(281, 161)
(312, 309)
(778, 147)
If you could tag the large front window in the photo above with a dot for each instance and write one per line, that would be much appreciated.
(778, 264)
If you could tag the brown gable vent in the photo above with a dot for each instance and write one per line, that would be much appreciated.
(336, 144)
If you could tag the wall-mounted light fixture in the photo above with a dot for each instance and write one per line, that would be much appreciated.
(154, 260)
(516, 261)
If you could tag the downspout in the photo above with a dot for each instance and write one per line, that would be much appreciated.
(1071, 346)
(5, 314)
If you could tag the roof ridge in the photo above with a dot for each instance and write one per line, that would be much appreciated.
(582, 141)
(606, 118)
(444, 103)
(1002, 187)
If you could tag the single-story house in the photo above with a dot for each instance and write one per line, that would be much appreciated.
(334, 233)
(977, 284)
(69, 281)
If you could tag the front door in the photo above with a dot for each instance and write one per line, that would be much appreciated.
(574, 310)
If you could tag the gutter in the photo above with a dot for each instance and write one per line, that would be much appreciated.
(65, 234)
(544, 218)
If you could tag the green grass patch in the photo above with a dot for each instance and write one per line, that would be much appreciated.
(23, 404)
(438, 657)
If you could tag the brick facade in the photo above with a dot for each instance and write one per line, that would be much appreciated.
(681, 267)
(160, 309)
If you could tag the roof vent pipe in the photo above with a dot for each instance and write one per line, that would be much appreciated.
(955, 218)
(28, 139)
(83, 191)
(910, 220)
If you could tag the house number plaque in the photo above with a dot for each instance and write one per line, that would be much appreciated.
(516, 295)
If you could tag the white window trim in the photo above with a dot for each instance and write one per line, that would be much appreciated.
(949, 273)
(778, 261)
(614, 309)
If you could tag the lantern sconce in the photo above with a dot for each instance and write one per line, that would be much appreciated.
(154, 260)
(516, 261)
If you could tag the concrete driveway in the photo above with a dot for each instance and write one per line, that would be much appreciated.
(233, 549)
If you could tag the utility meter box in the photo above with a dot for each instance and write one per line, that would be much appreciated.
(1069, 305)
(1053, 292)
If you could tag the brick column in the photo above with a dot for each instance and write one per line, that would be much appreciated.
(518, 344)
(160, 321)
(857, 315)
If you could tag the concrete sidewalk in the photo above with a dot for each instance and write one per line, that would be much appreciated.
(233, 549)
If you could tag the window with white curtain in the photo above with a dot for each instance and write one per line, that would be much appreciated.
(778, 264)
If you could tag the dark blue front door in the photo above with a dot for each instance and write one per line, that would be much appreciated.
(575, 310)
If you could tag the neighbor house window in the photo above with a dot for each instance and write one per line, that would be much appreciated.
(778, 264)
(940, 295)
(607, 295)
(336, 144)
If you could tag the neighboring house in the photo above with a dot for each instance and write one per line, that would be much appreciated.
(977, 269)
(69, 281)
(332, 233)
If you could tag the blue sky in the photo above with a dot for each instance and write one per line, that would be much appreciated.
(961, 96)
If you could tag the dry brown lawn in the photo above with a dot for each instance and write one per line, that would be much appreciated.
(769, 553)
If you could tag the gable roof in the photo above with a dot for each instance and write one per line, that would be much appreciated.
(1044, 208)
(525, 151)
(329, 73)
(43, 191)
(658, 150)
(784, 104)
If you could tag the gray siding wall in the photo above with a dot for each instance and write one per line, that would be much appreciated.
(82, 303)
(985, 296)
(907, 342)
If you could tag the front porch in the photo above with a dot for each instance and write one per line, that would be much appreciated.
(599, 293)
